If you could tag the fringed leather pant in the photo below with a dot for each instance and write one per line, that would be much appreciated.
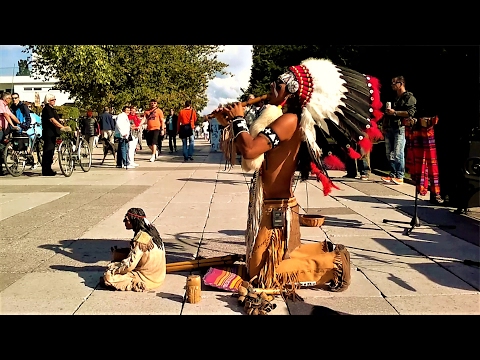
(279, 259)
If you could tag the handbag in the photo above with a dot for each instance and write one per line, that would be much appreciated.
(186, 129)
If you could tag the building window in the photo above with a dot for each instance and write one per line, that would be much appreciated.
(27, 89)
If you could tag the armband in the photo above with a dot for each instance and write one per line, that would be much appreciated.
(271, 136)
(239, 125)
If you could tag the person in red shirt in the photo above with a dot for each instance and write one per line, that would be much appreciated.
(135, 122)
(187, 116)
(155, 127)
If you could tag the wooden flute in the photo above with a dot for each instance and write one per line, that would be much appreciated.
(248, 102)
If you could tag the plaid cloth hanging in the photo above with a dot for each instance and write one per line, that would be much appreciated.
(421, 157)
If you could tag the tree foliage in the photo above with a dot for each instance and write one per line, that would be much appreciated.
(269, 61)
(23, 69)
(115, 75)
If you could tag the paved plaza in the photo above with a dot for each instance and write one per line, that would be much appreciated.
(56, 235)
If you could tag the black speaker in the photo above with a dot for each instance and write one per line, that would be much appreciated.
(470, 189)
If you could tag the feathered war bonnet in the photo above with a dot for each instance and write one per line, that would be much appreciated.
(343, 103)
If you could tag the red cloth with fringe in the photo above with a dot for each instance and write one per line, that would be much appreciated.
(421, 157)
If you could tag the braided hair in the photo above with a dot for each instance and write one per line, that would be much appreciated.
(137, 218)
(303, 158)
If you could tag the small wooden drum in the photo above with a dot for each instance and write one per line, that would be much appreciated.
(194, 289)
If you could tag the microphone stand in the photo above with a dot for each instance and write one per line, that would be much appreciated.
(415, 222)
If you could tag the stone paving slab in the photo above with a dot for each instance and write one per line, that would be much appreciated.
(470, 274)
(417, 279)
(7, 279)
(21, 261)
(48, 293)
(221, 247)
(107, 302)
(464, 304)
(18, 203)
(348, 305)
(350, 225)
(374, 189)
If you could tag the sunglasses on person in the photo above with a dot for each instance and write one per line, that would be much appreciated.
(397, 82)
(14, 97)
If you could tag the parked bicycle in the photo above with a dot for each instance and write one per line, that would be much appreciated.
(19, 152)
(71, 153)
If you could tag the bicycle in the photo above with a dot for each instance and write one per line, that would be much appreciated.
(18, 152)
(70, 154)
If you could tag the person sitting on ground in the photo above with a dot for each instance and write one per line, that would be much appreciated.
(141, 267)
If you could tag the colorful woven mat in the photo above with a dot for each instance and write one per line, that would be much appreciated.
(227, 278)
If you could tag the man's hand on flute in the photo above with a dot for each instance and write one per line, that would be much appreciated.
(220, 116)
(234, 110)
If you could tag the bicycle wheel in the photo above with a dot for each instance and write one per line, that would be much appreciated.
(65, 158)
(84, 156)
(14, 160)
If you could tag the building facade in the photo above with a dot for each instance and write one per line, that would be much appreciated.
(33, 90)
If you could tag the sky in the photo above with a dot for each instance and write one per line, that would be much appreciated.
(220, 90)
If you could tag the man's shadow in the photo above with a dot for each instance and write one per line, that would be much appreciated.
(86, 256)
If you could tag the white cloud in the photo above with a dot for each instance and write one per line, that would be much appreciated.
(227, 89)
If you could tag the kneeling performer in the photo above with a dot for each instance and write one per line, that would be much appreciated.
(320, 99)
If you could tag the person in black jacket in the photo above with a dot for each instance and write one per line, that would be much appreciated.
(21, 111)
(171, 123)
(404, 106)
(87, 127)
(51, 130)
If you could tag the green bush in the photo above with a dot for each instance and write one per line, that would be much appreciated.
(66, 112)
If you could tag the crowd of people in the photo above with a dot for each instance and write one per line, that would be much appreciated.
(124, 131)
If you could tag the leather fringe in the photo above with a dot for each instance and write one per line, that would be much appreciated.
(146, 247)
(227, 146)
(138, 286)
(267, 275)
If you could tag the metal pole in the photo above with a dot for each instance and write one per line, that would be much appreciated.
(13, 75)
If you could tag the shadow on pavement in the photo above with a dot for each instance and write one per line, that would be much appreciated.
(336, 222)
(466, 229)
(435, 272)
(174, 297)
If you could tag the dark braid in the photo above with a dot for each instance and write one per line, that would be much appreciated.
(304, 159)
(136, 217)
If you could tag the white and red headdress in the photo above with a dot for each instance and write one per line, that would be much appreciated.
(343, 103)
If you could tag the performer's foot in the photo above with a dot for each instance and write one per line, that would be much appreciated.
(386, 179)
(342, 261)
(330, 245)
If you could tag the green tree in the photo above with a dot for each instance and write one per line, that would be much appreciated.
(114, 75)
(23, 69)
(269, 61)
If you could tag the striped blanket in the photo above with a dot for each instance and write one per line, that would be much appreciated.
(226, 278)
(421, 157)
